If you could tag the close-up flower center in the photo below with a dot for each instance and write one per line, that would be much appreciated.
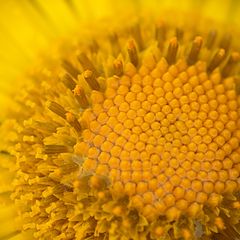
(130, 134)
(165, 136)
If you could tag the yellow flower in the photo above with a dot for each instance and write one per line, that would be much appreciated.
(126, 126)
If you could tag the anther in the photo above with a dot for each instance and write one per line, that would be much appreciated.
(80, 96)
(179, 33)
(115, 46)
(217, 60)
(136, 31)
(98, 182)
(73, 121)
(160, 34)
(57, 108)
(87, 64)
(172, 51)
(231, 63)
(219, 223)
(68, 81)
(118, 67)
(230, 232)
(186, 234)
(70, 68)
(196, 47)
(237, 87)
(211, 39)
(132, 52)
(94, 46)
(91, 80)
(55, 149)
(225, 42)
(159, 231)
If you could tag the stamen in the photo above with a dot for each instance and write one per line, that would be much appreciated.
(172, 51)
(60, 189)
(160, 34)
(87, 64)
(55, 149)
(116, 49)
(49, 199)
(137, 35)
(118, 67)
(91, 80)
(69, 168)
(99, 182)
(230, 232)
(44, 127)
(231, 63)
(58, 109)
(70, 68)
(73, 121)
(225, 42)
(237, 85)
(217, 60)
(68, 82)
(81, 96)
(196, 47)
(219, 223)
(132, 52)
(211, 39)
(179, 33)
(94, 46)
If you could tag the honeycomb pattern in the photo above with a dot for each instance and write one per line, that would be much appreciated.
(168, 138)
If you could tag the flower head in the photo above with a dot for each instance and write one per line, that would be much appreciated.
(131, 133)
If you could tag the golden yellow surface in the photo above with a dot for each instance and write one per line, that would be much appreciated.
(139, 123)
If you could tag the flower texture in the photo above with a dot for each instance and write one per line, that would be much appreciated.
(131, 133)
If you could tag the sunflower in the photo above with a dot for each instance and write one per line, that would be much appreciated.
(123, 122)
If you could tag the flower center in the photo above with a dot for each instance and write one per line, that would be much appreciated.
(166, 136)
(137, 139)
